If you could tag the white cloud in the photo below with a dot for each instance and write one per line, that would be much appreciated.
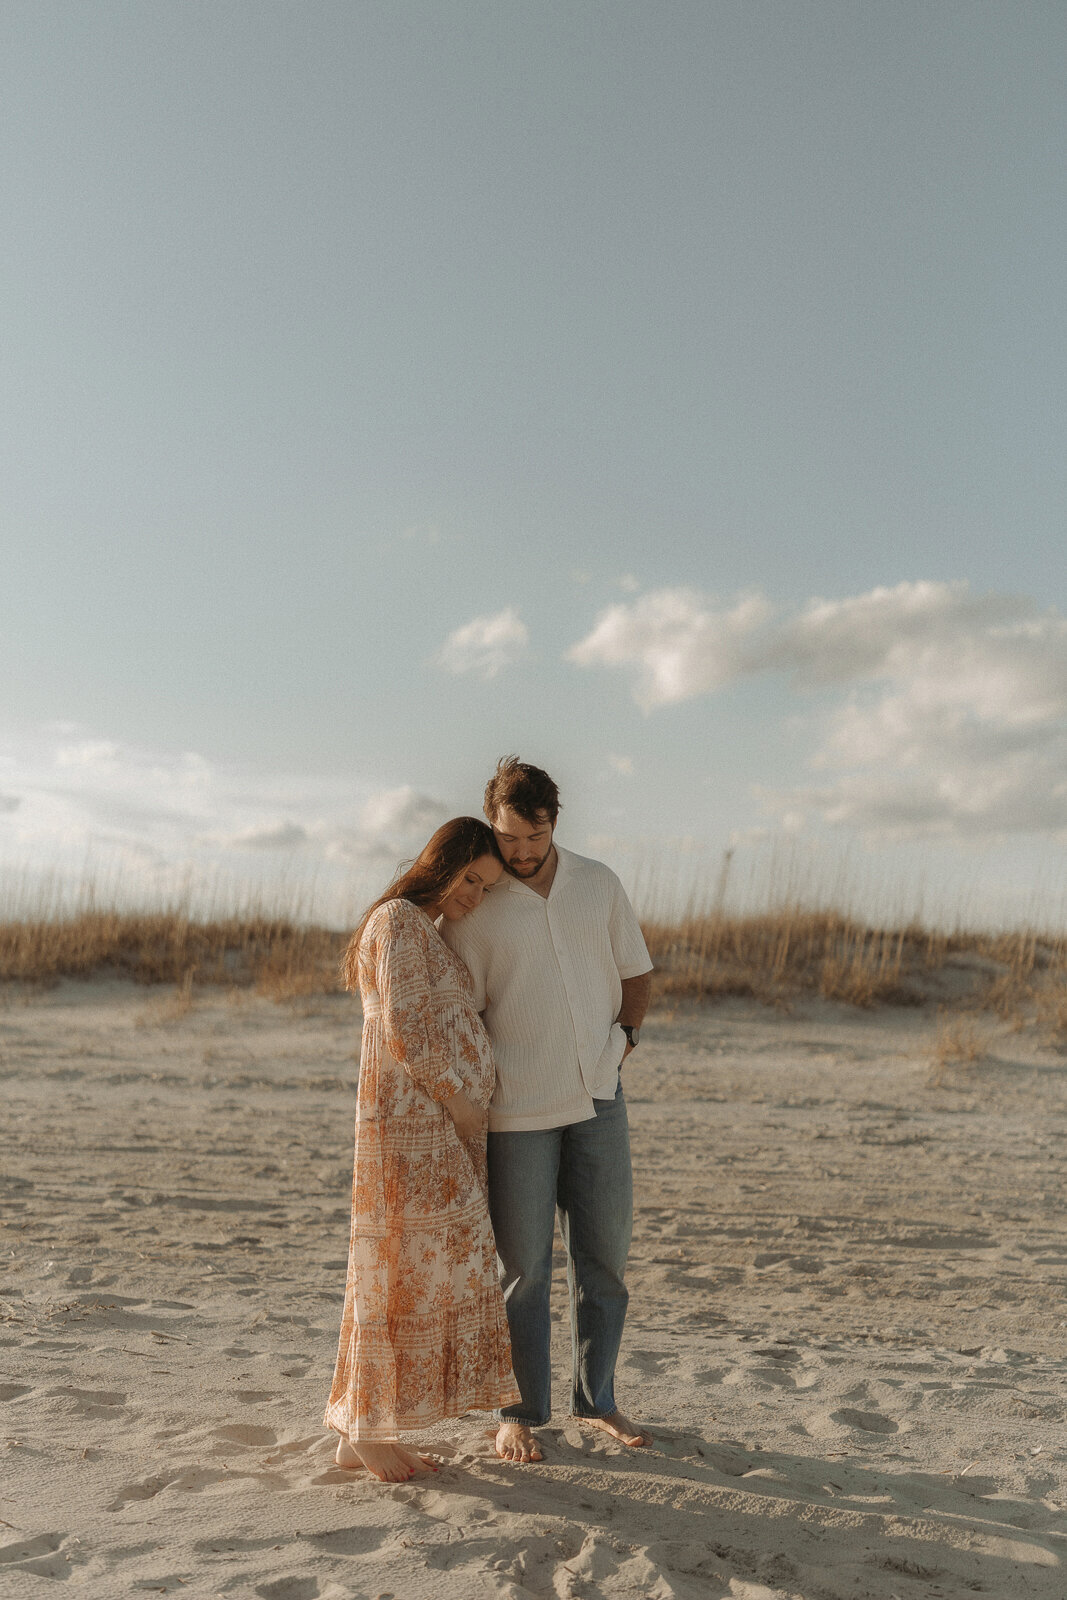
(950, 716)
(146, 819)
(269, 836)
(836, 641)
(100, 754)
(676, 642)
(392, 823)
(485, 645)
(623, 765)
(399, 811)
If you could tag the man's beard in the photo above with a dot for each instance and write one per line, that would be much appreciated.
(529, 869)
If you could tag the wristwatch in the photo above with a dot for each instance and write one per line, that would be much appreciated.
(632, 1033)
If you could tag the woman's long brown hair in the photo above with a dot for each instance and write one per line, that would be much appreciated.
(428, 879)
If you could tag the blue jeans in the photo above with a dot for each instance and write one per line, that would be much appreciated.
(581, 1174)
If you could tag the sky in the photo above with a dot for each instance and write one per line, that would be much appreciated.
(672, 394)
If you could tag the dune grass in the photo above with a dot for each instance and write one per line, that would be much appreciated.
(274, 955)
(792, 951)
(777, 957)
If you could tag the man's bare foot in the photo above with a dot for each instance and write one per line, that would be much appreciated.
(620, 1428)
(385, 1460)
(515, 1442)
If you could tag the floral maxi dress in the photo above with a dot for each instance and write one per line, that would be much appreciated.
(424, 1333)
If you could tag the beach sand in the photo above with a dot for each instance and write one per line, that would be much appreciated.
(847, 1328)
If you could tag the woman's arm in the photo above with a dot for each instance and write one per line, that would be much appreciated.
(415, 1032)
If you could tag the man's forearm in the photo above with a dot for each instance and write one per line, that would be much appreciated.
(635, 997)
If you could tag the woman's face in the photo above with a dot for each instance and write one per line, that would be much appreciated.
(466, 893)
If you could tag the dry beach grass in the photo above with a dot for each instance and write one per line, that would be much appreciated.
(276, 955)
(847, 1321)
(777, 956)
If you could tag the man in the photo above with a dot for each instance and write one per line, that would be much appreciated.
(562, 976)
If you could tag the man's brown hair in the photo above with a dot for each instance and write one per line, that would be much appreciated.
(524, 789)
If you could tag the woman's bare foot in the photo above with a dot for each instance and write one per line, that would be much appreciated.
(383, 1458)
(515, 1442)
(619, 1427)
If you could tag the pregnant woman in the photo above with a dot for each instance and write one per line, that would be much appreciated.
(424, 1333)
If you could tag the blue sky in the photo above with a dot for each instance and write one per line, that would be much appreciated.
(674, 394)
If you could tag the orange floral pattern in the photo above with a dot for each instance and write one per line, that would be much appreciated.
(424, 1333)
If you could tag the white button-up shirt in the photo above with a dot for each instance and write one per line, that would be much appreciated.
(548, 976)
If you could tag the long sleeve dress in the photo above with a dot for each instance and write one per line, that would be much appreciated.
(424, 1333)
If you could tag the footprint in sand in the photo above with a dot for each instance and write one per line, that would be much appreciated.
(353, 1541)
(648, 1363)
(90, 1402)
(245, 1433)
(313, 1444)
(606, 1567)
(190, 1480)
(42, 1556)
(539, 1567)
(865, 1421)
(145, 1489)
(710, 1375)
(760, 1375)
(293, 1588)
(772, 1377)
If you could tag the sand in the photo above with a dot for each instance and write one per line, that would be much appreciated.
(847, 1330)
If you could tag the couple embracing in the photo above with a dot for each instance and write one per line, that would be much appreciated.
(504, 980)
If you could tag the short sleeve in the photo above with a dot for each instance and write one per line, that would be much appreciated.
(415, 1031)
(627, 941)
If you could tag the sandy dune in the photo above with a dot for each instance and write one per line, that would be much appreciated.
(848, 1326)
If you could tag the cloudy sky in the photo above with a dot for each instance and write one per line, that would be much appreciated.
(672, 393)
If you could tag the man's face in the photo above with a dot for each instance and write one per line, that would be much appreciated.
(525, 846)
